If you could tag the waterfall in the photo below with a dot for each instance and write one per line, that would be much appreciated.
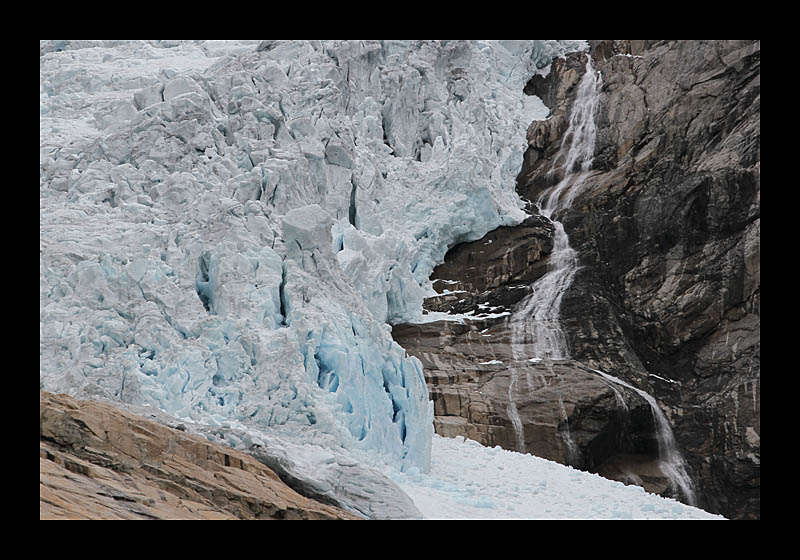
(537, 321)
(671, 460)
(535, 327)
(513, 413)
(573, 452)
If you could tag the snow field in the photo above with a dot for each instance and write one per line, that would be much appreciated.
(470, 481)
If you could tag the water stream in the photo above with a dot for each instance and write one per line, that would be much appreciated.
(537, 322)
(670, 459)
(535, 327)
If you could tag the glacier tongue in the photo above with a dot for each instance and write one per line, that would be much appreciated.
(228, 228)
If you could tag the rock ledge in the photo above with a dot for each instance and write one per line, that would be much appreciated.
(99, 462)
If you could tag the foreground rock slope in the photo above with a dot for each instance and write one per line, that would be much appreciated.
(99, 462)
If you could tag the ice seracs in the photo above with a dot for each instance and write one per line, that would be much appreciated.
(228, 228)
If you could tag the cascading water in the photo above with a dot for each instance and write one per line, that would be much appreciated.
(537, 322)
(573, 452)
(535, 328)
(671, 460)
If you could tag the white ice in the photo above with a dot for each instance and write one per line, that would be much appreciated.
(228, 228)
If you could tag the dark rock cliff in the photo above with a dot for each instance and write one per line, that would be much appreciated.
(667, 296)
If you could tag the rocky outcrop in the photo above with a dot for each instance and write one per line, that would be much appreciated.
(99, 462)
(567, 412)
(667, 296)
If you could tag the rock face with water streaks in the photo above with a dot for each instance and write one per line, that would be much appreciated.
(669, 235)
(567, 412)
(667, 296)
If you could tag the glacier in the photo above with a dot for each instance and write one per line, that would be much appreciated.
(228, 229)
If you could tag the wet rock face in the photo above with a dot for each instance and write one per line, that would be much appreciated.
(667, 295)
(669, 235)
(669, 229)
(567, 412)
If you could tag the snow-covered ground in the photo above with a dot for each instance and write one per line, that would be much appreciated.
(470, 481)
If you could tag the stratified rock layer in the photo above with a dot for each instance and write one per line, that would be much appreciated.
(99, 462)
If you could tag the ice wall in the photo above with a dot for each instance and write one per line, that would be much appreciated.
(227, 229)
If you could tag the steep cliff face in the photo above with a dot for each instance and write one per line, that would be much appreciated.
(669, 237)
(667, 293)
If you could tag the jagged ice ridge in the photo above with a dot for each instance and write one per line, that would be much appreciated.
(227, 229)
